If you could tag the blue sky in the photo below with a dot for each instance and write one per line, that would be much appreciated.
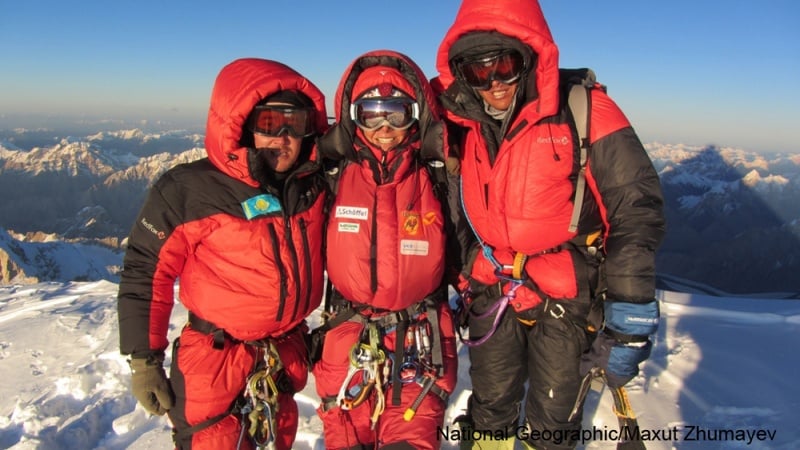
(696, 72)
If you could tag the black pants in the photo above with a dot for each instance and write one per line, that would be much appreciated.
(546, 355)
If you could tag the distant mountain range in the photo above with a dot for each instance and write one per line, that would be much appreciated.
(733, 216)
(53, 189)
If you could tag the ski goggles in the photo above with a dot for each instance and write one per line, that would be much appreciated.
(270, 120)
(374, 112)
(506, 68)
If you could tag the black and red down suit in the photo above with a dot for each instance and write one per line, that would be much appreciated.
(385, 253)
(255, 278)
(519, 179)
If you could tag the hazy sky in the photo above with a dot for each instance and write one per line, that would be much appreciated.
(684, 71)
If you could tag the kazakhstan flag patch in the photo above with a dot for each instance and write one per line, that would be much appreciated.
(260, 205)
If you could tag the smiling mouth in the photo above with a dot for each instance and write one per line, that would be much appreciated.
(499, 93)
(277, 151)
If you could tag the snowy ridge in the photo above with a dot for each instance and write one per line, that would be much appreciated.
(32, 262)
(719, 364)
(71, 157)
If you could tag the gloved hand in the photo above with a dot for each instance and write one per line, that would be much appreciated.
(624, 342)
(150, 385)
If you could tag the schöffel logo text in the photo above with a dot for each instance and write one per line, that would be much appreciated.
(352, 212)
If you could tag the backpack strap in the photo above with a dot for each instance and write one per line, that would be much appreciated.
(437, 173)
(579, 102)
(579, 83)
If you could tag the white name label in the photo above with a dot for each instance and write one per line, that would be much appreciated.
(351, 212)
(346, 227)
(412, 247)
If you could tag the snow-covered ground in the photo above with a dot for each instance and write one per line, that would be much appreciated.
(724, 371)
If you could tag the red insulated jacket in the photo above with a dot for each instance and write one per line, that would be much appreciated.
(518, 188)
(402, 263)
(253, 272)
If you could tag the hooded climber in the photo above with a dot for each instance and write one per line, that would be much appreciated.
(388, 362)
(541, 262)
(242, 232)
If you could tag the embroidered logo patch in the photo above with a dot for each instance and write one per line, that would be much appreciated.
(411, 223)
(429, 218)
(151, 228)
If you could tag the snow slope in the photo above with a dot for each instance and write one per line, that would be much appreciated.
(722, 369)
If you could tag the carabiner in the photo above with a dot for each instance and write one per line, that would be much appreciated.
(350, 397)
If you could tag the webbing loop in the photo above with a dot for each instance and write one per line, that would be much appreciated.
(498, 309)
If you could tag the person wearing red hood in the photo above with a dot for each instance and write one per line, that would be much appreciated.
(242, 232)
(535, 284)
(388, 361)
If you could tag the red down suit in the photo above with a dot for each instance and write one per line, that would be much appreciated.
(385, 252)
(519, 177)
(254, 276)
(519, 196)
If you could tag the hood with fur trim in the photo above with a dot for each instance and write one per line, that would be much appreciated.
(239, 86)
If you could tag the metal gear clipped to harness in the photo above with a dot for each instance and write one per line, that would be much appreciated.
(366, 360)
(261, 396)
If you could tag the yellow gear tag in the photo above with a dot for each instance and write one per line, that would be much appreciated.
(518, 269)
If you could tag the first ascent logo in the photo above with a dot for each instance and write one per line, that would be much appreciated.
(352, 212)
(149, 227)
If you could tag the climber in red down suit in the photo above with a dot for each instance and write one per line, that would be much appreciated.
(562, 281)
(388, 362)
(242, 231)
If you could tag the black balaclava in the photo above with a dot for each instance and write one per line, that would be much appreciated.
(479, 43)
(259, 168)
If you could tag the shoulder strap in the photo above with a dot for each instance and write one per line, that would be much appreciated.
(579, 100)
(579, 83)
(333, 171)
(437, 172)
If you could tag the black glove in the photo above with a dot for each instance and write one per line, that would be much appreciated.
(150, 385)
(624, 342)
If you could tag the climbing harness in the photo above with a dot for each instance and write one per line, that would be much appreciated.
(498, 309)
(372, 370)
(257, 406)
(513, 274)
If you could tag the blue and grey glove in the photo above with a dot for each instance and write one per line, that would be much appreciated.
(624, 342)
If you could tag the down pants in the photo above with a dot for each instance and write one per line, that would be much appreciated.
(352, 429)
(546, 355)
(207, 381)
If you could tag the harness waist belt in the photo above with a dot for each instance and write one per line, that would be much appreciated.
(219, 334)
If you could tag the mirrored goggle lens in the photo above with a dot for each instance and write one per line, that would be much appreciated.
(275, 120)
(505, 68)
(372, 113)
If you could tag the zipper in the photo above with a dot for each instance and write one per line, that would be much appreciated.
(307, 257)
(276, 250)
(373, 248)
(295, 265)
